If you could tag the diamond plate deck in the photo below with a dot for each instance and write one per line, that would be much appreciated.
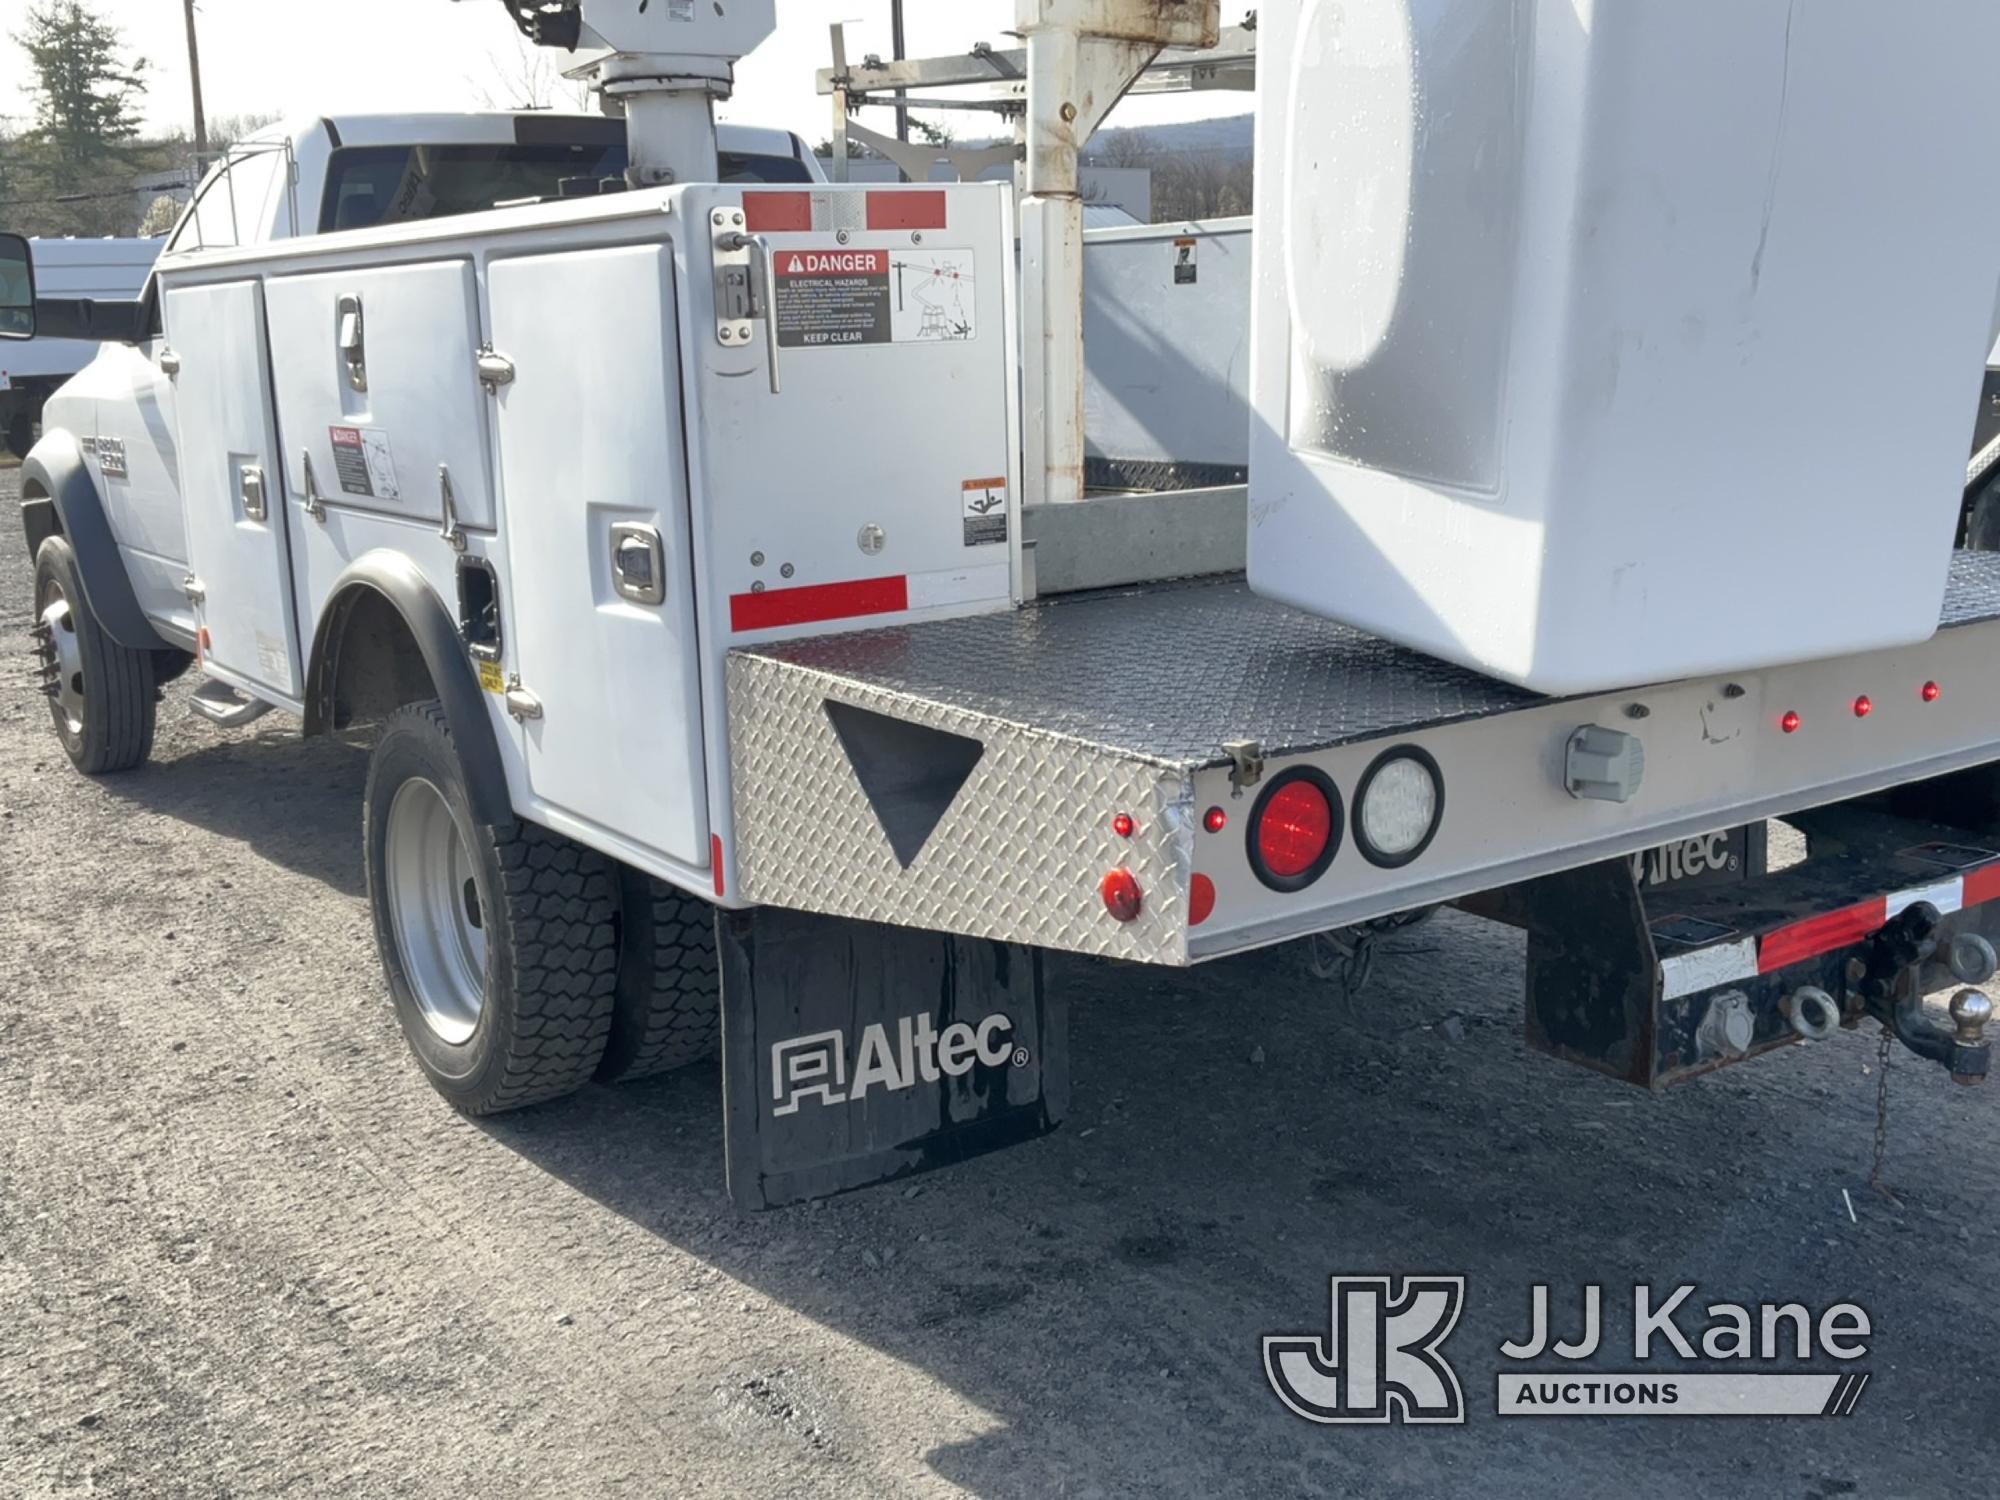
(1166, 672)
(1093, 705)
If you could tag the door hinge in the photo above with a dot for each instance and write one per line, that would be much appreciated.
(522, 704)
(451, 531)
(170, 363)
(495, 369)
(194, 589)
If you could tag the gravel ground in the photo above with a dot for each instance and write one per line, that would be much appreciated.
(244, 1250)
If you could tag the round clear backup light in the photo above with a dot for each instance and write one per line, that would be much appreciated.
(1398, 806)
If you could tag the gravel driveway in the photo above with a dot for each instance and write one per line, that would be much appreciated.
(244, 1250)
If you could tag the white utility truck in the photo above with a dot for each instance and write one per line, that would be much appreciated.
(96, 270)
(659, 510)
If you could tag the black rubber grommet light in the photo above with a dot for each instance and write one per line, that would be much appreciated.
(1369, 852)
(1337, 819)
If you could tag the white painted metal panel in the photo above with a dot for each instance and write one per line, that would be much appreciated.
(422, 408)
(1166, 345)
(136, 409)
(1545, 337)
(590, 438)
(237, 557)
(856, 472)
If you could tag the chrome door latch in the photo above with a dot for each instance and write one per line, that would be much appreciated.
(638, 563)
(353, 341)
(250, 485)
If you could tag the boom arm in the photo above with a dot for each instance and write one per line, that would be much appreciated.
(668, 63)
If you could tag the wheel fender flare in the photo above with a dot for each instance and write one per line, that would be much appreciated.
(57, 468)
(394, 578)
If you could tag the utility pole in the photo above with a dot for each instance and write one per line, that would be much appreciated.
(896, 46)
(194, 72)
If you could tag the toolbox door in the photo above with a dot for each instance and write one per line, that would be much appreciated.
(594, 479)
(241, 583)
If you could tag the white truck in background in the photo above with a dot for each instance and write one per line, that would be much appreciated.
(110, 270)
(658, 506)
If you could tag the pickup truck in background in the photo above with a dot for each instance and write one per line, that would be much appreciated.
(106, 270)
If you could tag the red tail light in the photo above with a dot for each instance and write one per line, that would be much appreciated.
(1122, 896)
(1295, 829)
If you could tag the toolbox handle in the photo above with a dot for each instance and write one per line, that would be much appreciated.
(768, 276)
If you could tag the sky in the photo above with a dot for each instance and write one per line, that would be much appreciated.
(332, 56)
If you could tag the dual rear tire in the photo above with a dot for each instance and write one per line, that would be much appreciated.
(522, 964)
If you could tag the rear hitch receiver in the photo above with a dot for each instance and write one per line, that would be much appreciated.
(1892, 992)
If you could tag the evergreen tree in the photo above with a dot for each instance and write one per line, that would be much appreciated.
(86, 92)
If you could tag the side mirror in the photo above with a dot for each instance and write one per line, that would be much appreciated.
(17, 288)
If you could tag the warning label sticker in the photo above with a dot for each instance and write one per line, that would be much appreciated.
(1186, 271)
(362, 460)
(831, 298)
(984, 505)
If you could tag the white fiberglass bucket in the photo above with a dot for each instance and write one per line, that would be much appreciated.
(1601, 342)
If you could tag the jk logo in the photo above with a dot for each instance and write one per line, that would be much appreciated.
(1379, 1361)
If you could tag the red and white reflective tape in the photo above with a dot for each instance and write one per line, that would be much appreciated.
(1747, 958)
(816, 603)
(830, 211)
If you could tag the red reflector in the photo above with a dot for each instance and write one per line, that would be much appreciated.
(819, 601)
(715, 859)
(1981, 885)
(1296, 827)
(777, 213)
(1931, 691)
(1817, 935)
(1122, 825)
(1121, 895)
(1201, 900)
(1790, 723)
(1863, 706)
(1215, 820)
(906, 211)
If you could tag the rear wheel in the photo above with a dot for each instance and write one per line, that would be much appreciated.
(669, 1009)
(500, 945)
(21, 433)
(101, 696)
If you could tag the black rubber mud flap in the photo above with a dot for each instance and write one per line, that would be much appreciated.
(855, 1053)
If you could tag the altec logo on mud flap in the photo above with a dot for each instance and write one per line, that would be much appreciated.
(816, 1067)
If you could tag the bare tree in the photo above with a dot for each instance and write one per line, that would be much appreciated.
(526, 78)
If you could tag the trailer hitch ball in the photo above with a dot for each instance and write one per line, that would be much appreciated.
(1812, 1012)
(1971, 1055)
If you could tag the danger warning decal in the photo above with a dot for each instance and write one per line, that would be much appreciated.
(363, 463)
(831, 298)
(984, 503)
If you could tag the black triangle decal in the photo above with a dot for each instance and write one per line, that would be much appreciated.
(910, 773)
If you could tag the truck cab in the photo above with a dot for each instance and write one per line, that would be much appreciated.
(327, 177)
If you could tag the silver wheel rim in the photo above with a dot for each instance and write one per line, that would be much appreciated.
(435, 907)
(65, 653)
